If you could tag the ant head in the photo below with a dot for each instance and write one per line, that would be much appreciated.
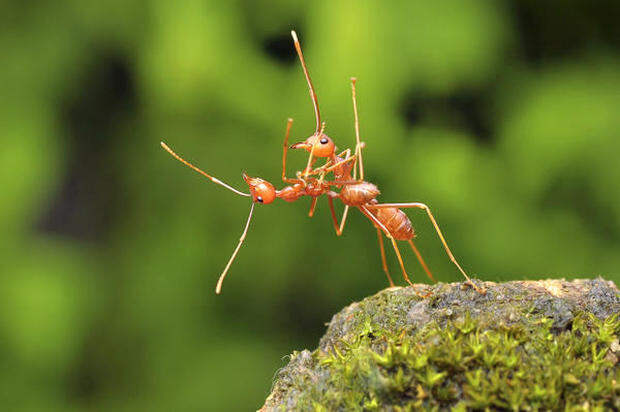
(320, 144)
(261, 190)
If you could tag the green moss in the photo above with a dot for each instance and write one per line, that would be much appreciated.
(534, 353)
(460, 366)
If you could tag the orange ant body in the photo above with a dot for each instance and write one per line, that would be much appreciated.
(388, 218)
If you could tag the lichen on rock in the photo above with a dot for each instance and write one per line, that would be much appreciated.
(550, 345)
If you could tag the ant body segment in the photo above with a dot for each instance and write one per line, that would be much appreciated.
(387, 218)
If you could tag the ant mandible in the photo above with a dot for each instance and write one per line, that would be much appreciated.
(386, 217)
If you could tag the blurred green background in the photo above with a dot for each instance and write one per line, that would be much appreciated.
(501, 115)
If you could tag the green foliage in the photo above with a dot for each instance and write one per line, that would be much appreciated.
(525, 366)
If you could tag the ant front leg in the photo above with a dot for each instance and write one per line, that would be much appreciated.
(285, 179)
(314, 199)
(330, 167)
(308, 171)
(341, 163)
(346, 153)
(348, 158)
(419, 205)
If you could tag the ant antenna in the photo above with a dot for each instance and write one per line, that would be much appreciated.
(213, 179)
(315, 101)
(218, 288)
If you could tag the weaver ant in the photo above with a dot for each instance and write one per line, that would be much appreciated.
(388, 218)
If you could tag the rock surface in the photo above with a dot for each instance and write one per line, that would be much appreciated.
(550, 344)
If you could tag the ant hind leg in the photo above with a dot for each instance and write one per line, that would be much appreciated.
(421, 260)
(381, 226)
(383, 261)
(419, 205)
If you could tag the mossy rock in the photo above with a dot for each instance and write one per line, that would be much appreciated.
(531, 345)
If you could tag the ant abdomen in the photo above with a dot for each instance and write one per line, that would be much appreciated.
(396, 222)
(358, 194)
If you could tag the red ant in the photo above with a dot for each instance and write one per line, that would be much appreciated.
(386, 217)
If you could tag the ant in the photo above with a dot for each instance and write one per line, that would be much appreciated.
(388, 218)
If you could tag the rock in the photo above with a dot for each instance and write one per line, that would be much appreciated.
(550, 344)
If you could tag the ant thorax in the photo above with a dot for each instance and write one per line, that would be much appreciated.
(291, 193)
(359, 193)
(311, 187)
(342, 172)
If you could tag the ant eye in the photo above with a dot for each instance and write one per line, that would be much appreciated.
(260, 199)
(324, 140)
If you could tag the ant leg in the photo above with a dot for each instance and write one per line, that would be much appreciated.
(342, 182)
(312, 206)
(347, 160)
(376, 222)
(383, 262)
(338, 227)
(328, 167)
(402, 266)
(330, 162)
(380, 225)
(345, 153)
(311, 158)
(358, 144)
(419, 205)
(333, 213)
(400, 261)
(285, 179)
(419, 256)
(322, 178)
(346, 207)
(321, 169)
(344, 218)
(311, 161)
(324, 170)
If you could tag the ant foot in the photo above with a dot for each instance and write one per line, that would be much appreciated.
(470, 284)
